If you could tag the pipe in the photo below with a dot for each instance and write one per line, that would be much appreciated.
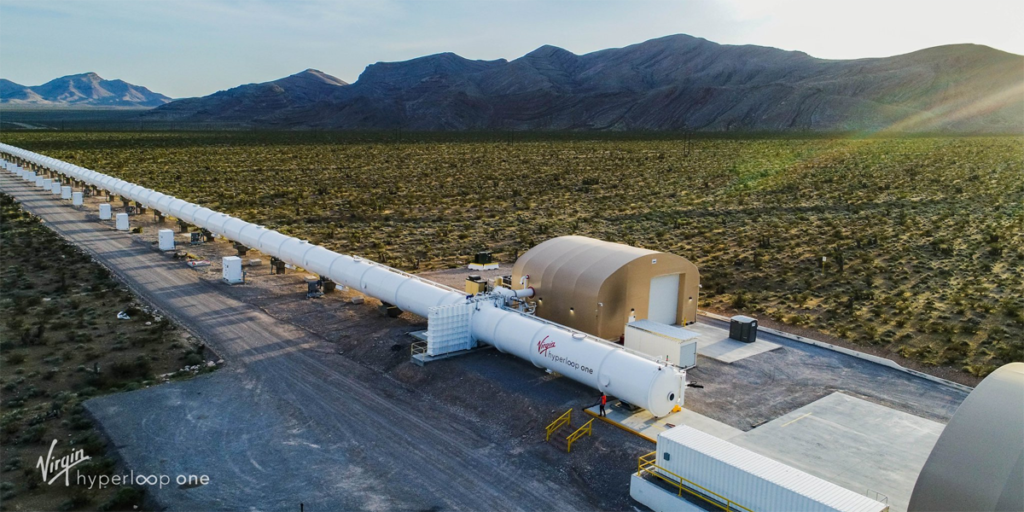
(591, 361)
(508, 292)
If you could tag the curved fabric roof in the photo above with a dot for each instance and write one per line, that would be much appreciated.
(579, 263)
(978, 461)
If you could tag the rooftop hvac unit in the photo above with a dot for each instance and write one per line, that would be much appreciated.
(743, 328)
(121, 223)
(166, 239)
(232, 272)
(77, 198)
(105, 211)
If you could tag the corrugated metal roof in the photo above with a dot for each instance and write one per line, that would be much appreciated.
(771, 470)
(671, 331)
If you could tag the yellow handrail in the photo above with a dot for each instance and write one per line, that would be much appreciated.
(586, 429)
(557, 424)
(645, 464)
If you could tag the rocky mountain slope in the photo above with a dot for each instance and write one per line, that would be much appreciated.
(672, 83)
(254, 101)
(86, 89)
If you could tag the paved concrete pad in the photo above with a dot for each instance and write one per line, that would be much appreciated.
(850, 442)
(714, 342)
(646, 425)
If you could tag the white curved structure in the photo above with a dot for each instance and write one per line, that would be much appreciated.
(591, 361)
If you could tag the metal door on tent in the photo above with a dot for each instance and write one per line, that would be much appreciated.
(664, 299)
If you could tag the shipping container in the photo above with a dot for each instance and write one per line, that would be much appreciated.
(750, 479)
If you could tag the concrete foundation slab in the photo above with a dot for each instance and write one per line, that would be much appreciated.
(645, 425)
(714, 342)
(862, 446)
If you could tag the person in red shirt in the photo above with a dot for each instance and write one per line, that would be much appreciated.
(604, 401)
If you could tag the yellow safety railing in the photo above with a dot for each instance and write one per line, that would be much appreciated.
(418, 347)
(586, 430)
(646, 465)
(557, 424)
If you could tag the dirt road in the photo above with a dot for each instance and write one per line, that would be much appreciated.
(364, 441)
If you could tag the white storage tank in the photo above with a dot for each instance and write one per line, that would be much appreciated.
(122, 222)
(166, 239)
(746, 478)
(232, 272)
(65, 192)
(105, 211)
(674, 345)
(77, 199)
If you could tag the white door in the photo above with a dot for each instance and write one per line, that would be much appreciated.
(664, 299)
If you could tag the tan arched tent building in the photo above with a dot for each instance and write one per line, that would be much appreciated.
(978, 461)
(598, 287)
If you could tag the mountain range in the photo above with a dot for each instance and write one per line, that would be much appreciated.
(85, 89)
(677, 82)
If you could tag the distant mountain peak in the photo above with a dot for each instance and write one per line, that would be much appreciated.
(82, 89)
(315, 74)
(548, 51)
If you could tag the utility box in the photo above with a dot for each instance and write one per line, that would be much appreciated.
(232, 272)
(55, 187)
(65, 192)
(674, 345)
(166, 239)
(46, 183)
(475, 285)
(77, 198)
(483, 261)
(743, 328)
(41, 182)
(121, 223)
(105, 211)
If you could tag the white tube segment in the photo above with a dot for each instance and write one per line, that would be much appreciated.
(596, 363)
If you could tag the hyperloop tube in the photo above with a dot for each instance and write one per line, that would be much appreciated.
(592, 362)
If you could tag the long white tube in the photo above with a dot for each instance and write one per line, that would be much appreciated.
(596, 363)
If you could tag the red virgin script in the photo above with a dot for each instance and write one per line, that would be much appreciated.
(544, 345)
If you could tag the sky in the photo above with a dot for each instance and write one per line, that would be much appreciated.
(187, 48)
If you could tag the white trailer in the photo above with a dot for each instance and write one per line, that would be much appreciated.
(689, 462)
(674, 345)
